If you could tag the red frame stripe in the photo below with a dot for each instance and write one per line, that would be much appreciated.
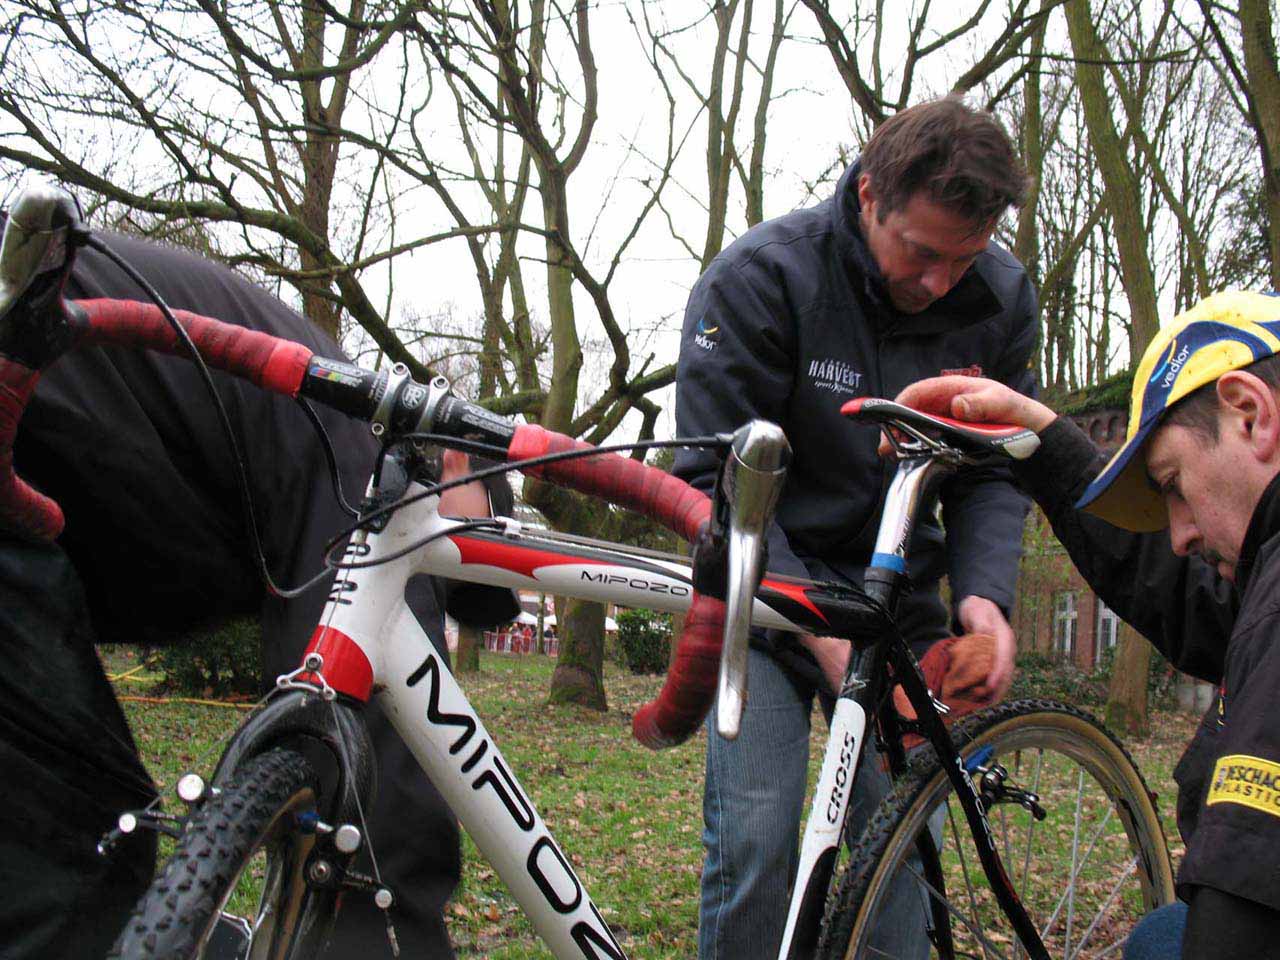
(346, 668)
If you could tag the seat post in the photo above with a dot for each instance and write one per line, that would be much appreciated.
(912, 487)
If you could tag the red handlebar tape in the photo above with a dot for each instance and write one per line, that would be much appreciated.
(620, 480)
(22, 508)
(271, 363)
(690, 687)
(280, 366)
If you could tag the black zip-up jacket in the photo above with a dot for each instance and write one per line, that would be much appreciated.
(1195, 609)
(1229, 777)
(790, 322)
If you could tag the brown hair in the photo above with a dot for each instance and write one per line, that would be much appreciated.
(1198, 410)
(961, 157)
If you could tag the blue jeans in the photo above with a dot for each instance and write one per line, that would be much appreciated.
(1158, 935)
(752, 806)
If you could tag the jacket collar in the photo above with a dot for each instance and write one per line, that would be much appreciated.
(969, 302)
(1263, 528)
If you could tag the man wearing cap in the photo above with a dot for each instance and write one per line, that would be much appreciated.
(1188, 511)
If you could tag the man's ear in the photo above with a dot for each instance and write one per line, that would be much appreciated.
(866, 195)
(1248, 406)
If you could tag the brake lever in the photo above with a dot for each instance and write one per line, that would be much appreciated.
(752, 480)
(41, 234)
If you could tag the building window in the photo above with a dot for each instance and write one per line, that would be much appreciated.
(1105, 634)
(1064, 623)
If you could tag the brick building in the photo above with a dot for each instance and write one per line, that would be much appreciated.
(1057, 613)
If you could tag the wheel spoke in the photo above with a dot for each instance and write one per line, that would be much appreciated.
(1110, 950)
(1031, 821)
(1071, 881)
(1075, 853)
(964, 867)
(971, 923)
(1106, 904)
(1098, 855)
(1031, 830)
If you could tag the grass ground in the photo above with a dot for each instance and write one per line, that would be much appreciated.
(629, 819)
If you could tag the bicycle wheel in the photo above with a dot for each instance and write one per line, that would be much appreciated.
(1085, 873)
(237, 873)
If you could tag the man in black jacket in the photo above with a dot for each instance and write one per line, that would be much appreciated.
(154, 547)
(1190, 509)
(893, 279)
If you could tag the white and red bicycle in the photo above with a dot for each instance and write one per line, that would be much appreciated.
(1070, 848)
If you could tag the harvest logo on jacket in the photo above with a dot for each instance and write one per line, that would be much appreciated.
(834, 375)
(1248, 781)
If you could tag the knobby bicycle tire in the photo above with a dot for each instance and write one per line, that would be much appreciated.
(1102, 858)
(248, 829)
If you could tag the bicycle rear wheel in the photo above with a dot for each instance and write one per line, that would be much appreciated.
(1086, 873)
(238, 873)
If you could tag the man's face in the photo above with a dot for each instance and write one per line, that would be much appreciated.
(1207, 490)
(922, 249)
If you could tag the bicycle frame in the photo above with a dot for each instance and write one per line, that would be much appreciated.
(370, 644)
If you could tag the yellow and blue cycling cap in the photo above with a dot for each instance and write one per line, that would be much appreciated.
(1221, 333)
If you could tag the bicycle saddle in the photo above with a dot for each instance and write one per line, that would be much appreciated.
(980, 439)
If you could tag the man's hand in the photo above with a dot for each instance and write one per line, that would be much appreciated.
(974, 399)
(468, 500)
(832, 655)
(955, 670)
(980, 615)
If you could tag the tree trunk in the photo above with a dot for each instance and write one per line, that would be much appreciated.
(579, 673)
(467, 657)
(578, 676)
(1120, 185)
(1127, 697)
(1026, 244)
(1258, 35)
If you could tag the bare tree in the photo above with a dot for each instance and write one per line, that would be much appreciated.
(1257, 89)
(735, 76)
(232, 113)
(1136, 190)
(297, 130)
(497, 60)
(862, 34)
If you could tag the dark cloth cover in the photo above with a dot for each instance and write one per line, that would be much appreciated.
(129, 445)
(69, 768)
